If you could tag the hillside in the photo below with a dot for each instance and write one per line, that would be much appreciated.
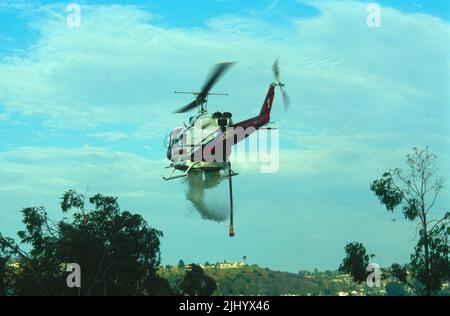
(241, 279)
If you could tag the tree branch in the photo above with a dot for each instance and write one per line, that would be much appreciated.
(437, 223)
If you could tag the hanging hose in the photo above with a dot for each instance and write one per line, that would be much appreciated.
(231, 201)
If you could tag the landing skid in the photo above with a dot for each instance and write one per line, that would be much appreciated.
(184, 174)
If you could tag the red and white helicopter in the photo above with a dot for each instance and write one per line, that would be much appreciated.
(204, 145)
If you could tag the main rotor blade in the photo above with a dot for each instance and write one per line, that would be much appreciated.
(215, 75)
(187, 107)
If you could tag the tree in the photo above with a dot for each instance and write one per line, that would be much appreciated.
(6, 269)
(395, 289)
(196, 283)
(181, 265)
(416, 193)
(356, 261)
(118, 252)
(303, 273)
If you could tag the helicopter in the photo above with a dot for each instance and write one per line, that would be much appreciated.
(204, 144)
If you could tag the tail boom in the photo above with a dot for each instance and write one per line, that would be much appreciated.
(264, 115)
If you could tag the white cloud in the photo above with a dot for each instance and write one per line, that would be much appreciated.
(54, 170)
(121, 67)
(110, 136)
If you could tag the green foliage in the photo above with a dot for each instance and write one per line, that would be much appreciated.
(117, 251)
(400, 272)
(387, 192)
(411, 209)
(254, 280)
(3, 273)
(6, 271)
(416, 193)
(196, 283)
(71, 199)
(395, 289)
(438, 258)
(356, 261)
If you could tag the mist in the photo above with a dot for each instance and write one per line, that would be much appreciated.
(204, 192)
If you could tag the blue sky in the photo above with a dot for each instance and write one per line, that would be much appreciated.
(90, 107)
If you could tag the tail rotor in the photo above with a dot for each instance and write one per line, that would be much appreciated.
(279, 83)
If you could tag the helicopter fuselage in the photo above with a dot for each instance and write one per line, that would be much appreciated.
(205, 143)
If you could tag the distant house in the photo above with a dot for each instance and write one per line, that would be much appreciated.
(15, 265)
(231, 265)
